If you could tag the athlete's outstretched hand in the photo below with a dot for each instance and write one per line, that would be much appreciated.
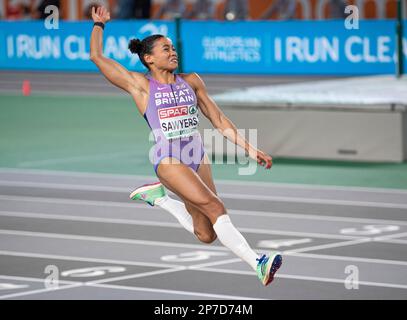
(100, 14)
(262, 158)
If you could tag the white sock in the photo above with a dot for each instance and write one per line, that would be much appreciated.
(178, 210)
(231, 238)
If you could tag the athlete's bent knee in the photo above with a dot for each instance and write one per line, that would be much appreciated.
(206, 237)
(214, 207)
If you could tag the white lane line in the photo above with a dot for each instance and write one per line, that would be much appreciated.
(62, 186)
(33, 279)
(133, 205)
(134, 276)
(345, 258)
(329, 245)
(311, 186)
(296, 216)
(308, 278)
(107, 239)
(178, 292)
(88, 219)
(93, 157)
(395, 241)
(26, 293)
(77, 202)
(78, 174)
(145, 274)
(87, 259)
(391, 236)
(316, 201)
(212, 247)
(313, 256)
(215, 263)
(218, 181)
(297, 233)
(166, 224)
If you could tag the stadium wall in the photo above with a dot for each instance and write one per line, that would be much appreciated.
(355, 133)
(250, 47)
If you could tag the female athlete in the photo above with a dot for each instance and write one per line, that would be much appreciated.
(170, 104)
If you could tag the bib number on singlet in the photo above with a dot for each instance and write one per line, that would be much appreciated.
(179, 121)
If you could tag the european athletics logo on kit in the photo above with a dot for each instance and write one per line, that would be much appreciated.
(192, 109)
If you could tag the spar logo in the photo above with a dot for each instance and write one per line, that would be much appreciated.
(173, 112)
(192, 109)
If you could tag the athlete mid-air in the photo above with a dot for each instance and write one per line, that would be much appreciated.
(170, 104)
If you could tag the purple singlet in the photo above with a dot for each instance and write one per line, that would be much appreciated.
(172, 114)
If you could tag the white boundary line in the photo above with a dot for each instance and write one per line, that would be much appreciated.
(107, 239)
(111, 286)
(345, 258)
(218, 181)
(296, 216)
(270, 214)
(148, 242)
(311, 186)
(137, 275)
(196, 268)
(390, 236)
(167, 224)
(26, 293)
(62, 186)
(308, 278)
(33, 279)
(87, 259)
(315, 201)
(204, 267)
(189, 293)
(76, 202)
(329, 245)
(394, 241)
(215, 263)
(212, 247)
(87, 158)
(297, 233)
(65, 217)
(75, 174)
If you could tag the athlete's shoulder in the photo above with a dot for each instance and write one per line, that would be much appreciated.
(193, 79)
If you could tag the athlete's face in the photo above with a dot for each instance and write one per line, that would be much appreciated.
(164, 55)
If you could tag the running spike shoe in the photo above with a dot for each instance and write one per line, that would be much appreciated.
(149, 193)
(267, 266)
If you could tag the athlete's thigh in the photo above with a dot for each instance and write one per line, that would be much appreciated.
(201, 221)
(205, 173)
(184, 182)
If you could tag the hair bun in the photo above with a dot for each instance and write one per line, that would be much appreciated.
(135, 46)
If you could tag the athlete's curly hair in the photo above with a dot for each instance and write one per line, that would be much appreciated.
(145, 46)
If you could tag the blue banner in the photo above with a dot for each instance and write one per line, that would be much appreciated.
(290, 47)
(31, 46)
(249, 47)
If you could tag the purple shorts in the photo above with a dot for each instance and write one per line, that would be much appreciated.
(189, 151)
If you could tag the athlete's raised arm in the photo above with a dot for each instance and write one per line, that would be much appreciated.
(223, 124)
(112, 70)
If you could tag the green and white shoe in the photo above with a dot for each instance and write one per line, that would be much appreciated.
(149, 193)
(267, 266)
